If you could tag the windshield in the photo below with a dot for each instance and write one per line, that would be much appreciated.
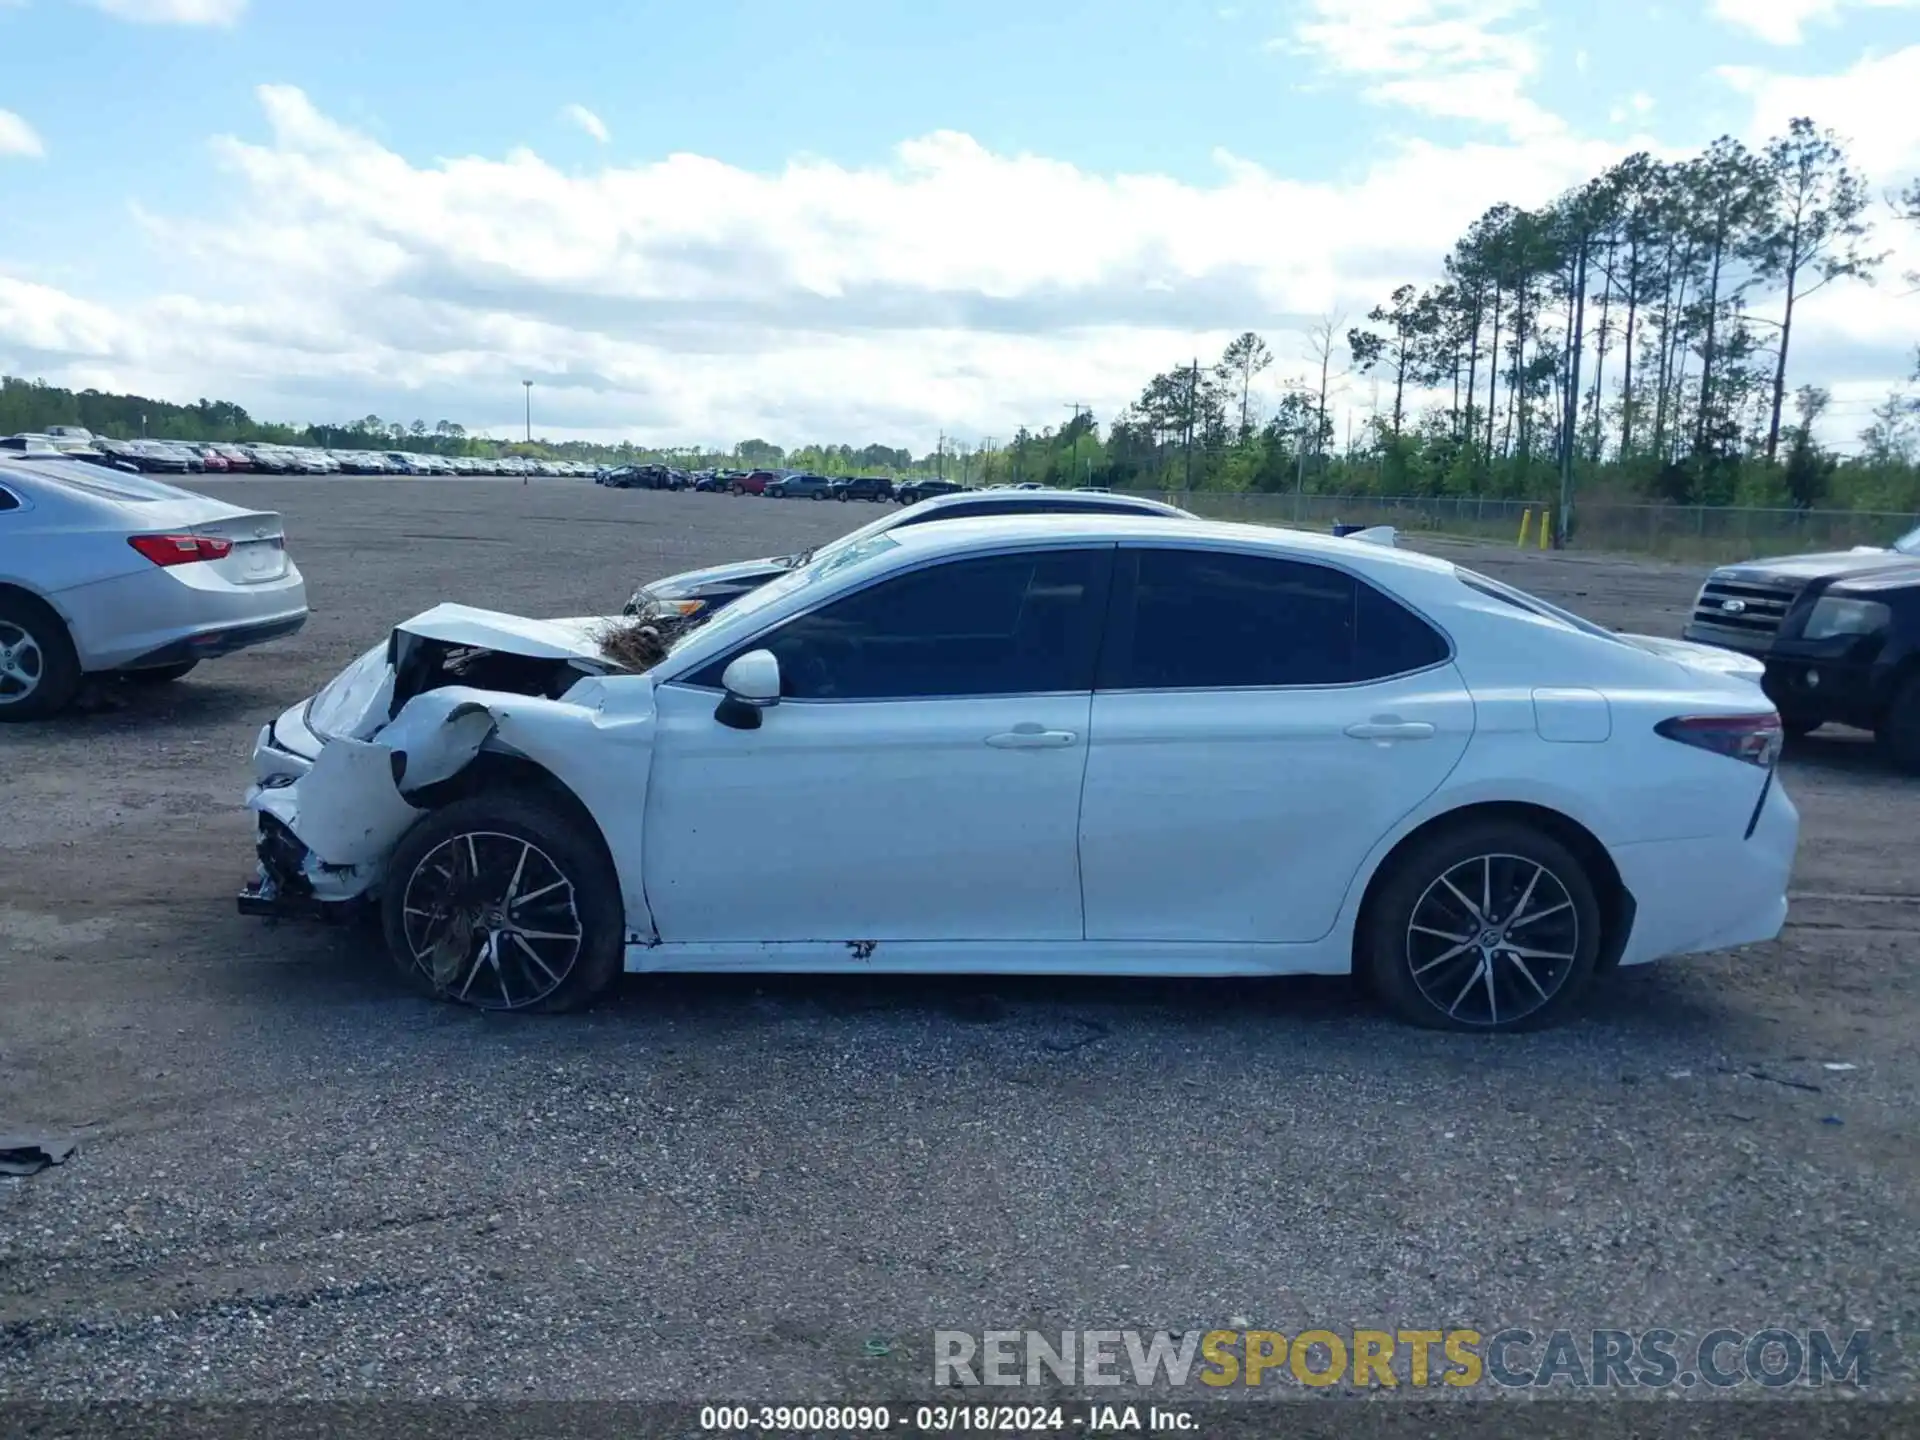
(1909, 543)
(744, 613)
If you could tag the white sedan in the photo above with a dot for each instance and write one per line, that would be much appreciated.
(1045, 745)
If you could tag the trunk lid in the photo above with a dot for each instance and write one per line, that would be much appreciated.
(259, 542)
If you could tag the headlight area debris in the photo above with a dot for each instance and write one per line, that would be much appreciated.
(639, 644)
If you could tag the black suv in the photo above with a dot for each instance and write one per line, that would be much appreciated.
(863, 487)
(913, 490)
(799, 487)
(1839, 634)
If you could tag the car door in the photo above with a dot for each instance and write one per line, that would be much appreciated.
(1259, 723)
(918, 780)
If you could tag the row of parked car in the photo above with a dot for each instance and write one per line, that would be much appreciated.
(781, 484)
(184, 457)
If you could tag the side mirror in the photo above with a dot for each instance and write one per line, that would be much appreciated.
(752, 682)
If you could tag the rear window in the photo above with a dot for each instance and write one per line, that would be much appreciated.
(1532, 604)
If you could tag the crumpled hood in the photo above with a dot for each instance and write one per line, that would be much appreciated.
(574, 638)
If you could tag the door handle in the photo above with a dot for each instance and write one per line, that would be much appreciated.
(1031, 737)
(1386, 729)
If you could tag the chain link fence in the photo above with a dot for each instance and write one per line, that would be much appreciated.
(1687, 532)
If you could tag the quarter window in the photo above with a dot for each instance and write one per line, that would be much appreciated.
(1215, 620)
(996, 625)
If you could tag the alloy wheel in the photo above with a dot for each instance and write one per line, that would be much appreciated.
(1493, 939)
(492, 921)
(21, 663)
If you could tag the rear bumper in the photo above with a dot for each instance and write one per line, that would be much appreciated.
(222, 641)
(1697, 895)
(152, 616)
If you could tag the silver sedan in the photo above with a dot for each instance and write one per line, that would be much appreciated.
(102, 571)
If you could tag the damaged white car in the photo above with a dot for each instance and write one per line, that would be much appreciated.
(1058, 745)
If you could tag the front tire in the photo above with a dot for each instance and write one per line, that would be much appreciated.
(1490, 926)
(39, 670)
(1898, 733)
(505, 901)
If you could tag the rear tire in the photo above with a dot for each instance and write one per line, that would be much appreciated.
(39, 671)
(1426, 954)
(505, 901)
(159, 674)
(1898, 732)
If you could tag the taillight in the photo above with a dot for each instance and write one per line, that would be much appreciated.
(1755, 739)
(180, 549)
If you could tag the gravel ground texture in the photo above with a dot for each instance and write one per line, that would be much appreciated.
(296, 1180)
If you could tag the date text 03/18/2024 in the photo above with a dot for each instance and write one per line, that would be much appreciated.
(962, 1419)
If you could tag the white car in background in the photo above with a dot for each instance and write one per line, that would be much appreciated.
(1095, 745)
(102, 571)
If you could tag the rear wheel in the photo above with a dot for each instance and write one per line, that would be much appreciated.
(738, 489)
(1493, 926)
(159, 674)
(39, 671)
(505, 901)
(1898, 732)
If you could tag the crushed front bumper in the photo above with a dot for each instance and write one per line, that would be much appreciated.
(281, 888)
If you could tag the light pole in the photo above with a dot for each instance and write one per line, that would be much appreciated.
(529, 385)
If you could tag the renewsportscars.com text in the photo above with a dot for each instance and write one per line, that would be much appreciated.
(1513, 1358)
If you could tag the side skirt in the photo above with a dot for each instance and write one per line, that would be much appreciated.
(1332, 956)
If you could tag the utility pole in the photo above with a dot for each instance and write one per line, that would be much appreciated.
(1193, 401)
(940, 457)
(529, 385)
(1073, 464)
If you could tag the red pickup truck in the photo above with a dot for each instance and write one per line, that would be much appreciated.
(753, 483)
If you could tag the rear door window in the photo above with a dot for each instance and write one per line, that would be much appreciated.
(1216, 620)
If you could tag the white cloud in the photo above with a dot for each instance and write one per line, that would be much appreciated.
(17, 137)
(587, 121)
(1455, 59)
(1871, 105)
(1784, 22)
(1635, 108)
(891, 301)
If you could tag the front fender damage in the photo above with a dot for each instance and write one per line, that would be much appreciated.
(350, 808)
(326, 836)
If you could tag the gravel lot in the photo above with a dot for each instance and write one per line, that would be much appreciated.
(296, 1180)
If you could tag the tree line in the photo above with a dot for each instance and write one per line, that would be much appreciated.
(1633, 337)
